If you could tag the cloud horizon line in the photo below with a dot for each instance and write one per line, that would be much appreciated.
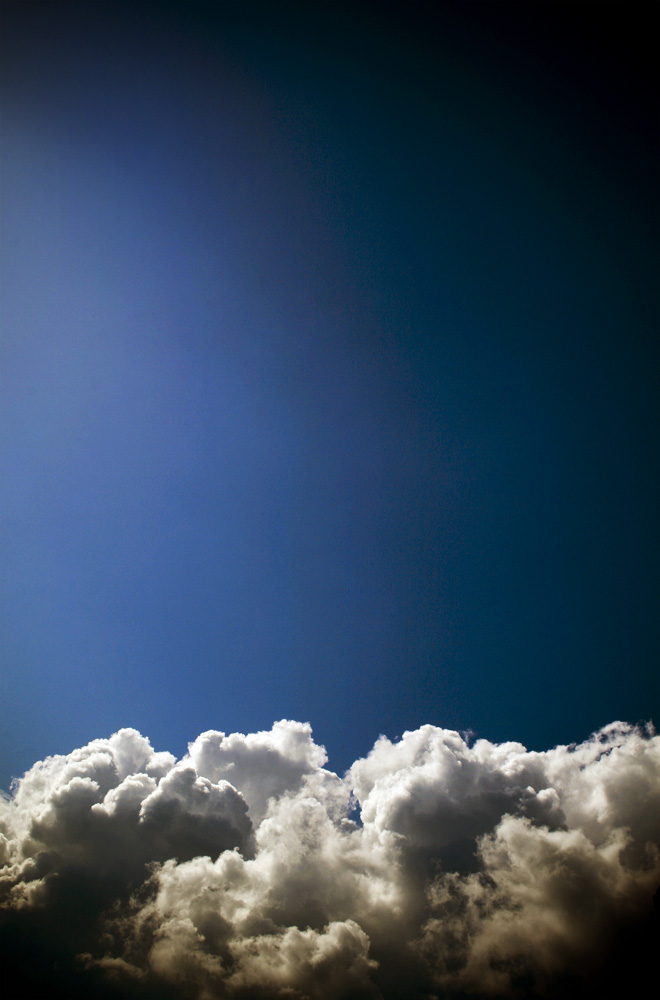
(437, 865)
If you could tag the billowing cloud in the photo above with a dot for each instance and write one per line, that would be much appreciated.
(433, 868)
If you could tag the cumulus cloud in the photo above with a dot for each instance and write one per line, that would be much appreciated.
(433, 868)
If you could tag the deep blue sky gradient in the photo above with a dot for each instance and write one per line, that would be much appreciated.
(329, 371)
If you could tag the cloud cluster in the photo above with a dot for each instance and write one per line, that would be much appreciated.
(433, 868)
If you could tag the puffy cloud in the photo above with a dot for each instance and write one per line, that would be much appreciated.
(433, 868)
(544, 908)
(260, 765)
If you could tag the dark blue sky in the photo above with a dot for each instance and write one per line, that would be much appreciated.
(329, 370)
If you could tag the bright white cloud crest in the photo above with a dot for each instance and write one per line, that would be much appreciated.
(248, 870)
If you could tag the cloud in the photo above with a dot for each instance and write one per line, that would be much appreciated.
(432, 868)
(259, 765)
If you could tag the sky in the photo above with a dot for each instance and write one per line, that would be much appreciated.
(328, 391)
(329, 371)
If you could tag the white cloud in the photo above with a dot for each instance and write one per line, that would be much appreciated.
(259, 765)
(240, 871)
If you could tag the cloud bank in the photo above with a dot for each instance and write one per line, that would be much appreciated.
(435, 868)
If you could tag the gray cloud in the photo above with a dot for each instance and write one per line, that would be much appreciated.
(242, 871)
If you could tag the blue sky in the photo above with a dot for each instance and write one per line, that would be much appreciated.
(329, 372)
